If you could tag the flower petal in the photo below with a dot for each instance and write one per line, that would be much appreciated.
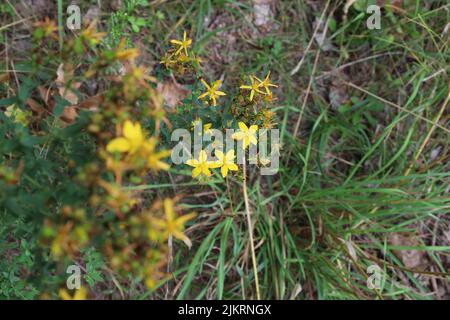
(224, 171)
(203, 95)
(168, 209)
(205, 84)
(215, 164)
(162, 165)
(192, 162)
(202, 157)
(118, 145)
(133, 132)
(243, 126)
(230, 155)
(196, 172)
(219, 155)
(206, 172)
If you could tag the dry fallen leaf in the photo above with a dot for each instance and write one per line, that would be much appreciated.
(61, 82)
(69, 114)
(172, 92)
(34, 106)
(91, 103)
(263, 14)
(412, 259)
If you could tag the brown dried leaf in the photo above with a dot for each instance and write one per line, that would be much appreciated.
(411, 258)
(34, 106)
(91, 103)
(45, 94)
(172, 92)
(69, 114)
(61, 82)
(263, 14)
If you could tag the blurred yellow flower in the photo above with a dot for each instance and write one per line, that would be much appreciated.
(132, 139)
(202, 165)
(167, 60)
(48, 27)
(182, 45)
(91, 35)
(80, 294)
(253, 87)
(226, 162)
(247, 135)
(125, 54)
(172, 225)
(18, 115)
(212, 91)
(154, 159)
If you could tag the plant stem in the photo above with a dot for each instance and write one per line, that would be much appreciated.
(250, 229)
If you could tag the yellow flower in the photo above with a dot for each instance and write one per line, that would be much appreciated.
(226, 162)
(201, 166)
(167, 61)
(266, 83)
(253, 87)
(91, 35)
(80, 294)
(18, 116)
(212, 91)
(48, 27)
(172, 225)
(154, 159)
(125, 54)
(247, 135)
(182, 45)
(207, 128)
(132, 139)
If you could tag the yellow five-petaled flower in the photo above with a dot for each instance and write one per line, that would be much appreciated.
(246, 134)
(256, 84)
(211, 91)
(226, 162)
(182, 45)
(201, 165)
(266, 84)
(173, 225)
(132, 140)
(253, 87)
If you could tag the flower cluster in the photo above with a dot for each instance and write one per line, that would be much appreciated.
(179, 58)
(101, 209)
(226, 162)
(122, 129)
(257, 84)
